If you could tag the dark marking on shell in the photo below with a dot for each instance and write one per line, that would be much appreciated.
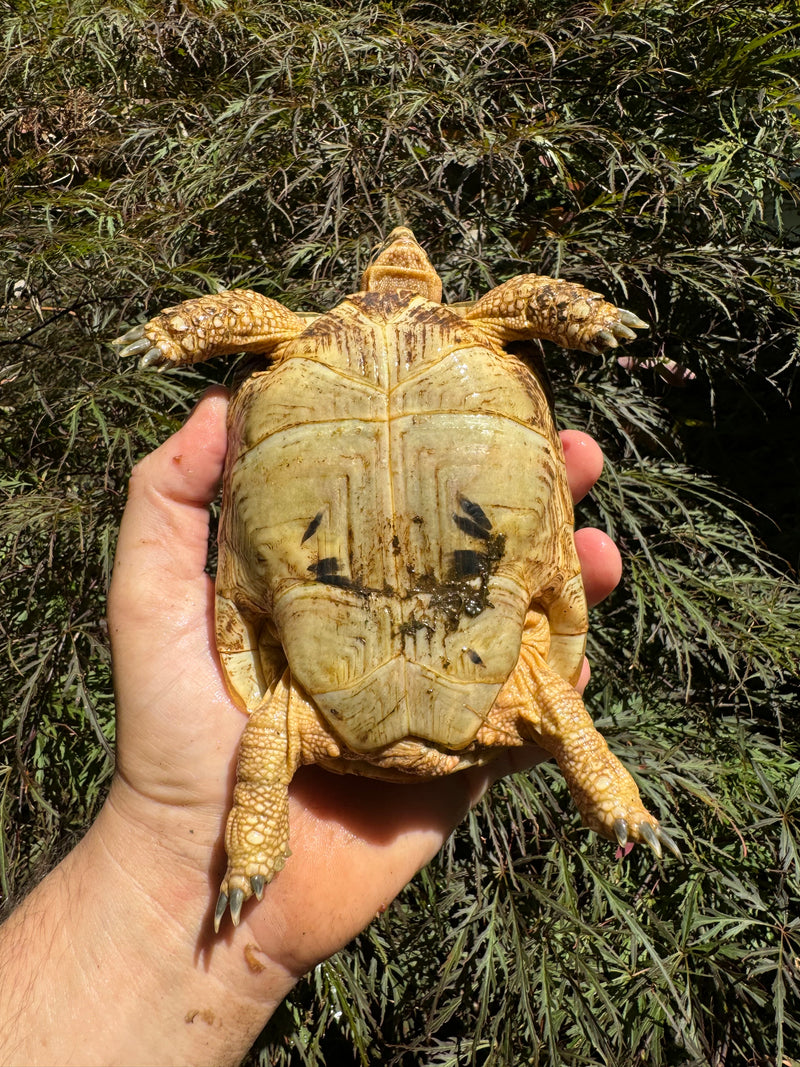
(474, 522)
(327, 571)
(380, 306)
(475, 512)
(473, 655)
(469, 527)
(413, 625)
(468, 564)
(465, 590)
(312, 527)
(439, 315)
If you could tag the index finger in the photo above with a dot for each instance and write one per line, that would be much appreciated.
(584, 459)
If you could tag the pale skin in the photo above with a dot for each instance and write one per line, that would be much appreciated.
(112, 958)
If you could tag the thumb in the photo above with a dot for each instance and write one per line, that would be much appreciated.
(160, 615)
(163, 540)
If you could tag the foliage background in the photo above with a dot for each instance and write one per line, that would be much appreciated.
(156, 150)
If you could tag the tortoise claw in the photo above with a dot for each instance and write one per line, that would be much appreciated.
(257, 883)
(627, 318)
(237, 899)
(654, 836)
(606, 338)
(219, 911)
(617, 328)
(154, 357)
(667, 841)
(621, 330)
(621, 832)
(135, 333)
(650, 836)
(136, 343)
(133, 348)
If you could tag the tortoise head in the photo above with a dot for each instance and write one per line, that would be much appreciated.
(402, 264)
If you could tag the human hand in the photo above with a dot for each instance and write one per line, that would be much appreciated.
(356, 842)
(125, 920)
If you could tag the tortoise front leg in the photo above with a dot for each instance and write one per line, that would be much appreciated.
(238, 320)
(531, 306)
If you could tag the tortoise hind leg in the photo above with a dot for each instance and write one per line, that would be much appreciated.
(283, 732)
(257, 831)
(552, 714)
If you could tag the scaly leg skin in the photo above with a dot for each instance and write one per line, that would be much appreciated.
(257, 833)
(284, 732)
(532, 306)
(603, 791)
(238, 320)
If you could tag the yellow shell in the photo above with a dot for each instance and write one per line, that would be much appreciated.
(395, 502)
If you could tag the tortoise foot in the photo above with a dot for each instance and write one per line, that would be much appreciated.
(257, 843)
(611, 805)
(572, 316)
(173, 338)
(218, 324)
(648, 832)
(138, 341)
(603, 790)
(239, 884)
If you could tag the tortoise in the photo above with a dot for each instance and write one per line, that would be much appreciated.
(398, 592)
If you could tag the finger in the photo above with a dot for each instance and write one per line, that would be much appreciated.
(584, 460)
(601, 563)
(164, 531)
(601, 570)
(160, 616)
(584, 677)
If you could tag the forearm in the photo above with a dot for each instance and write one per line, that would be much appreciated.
(109, 962)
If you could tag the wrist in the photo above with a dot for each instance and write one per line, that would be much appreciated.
(122, 927)
(217, 992)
